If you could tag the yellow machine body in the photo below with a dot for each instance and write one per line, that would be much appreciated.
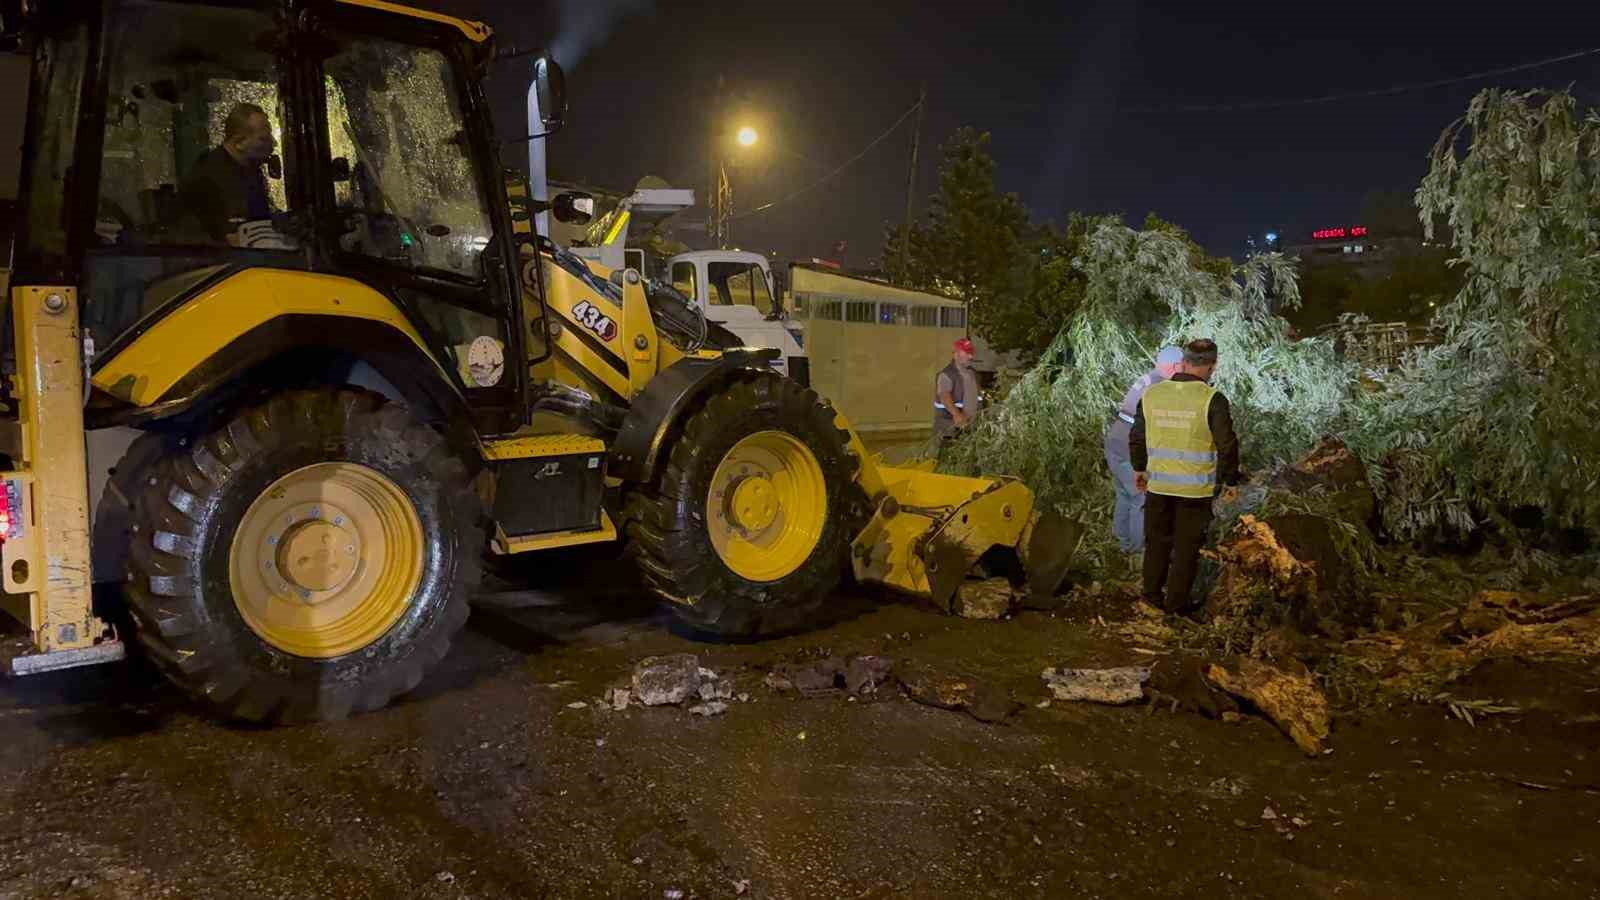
(148, 368)
(925, 533)
(45, 554)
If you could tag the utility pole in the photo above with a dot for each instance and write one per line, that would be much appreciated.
(714, 183)
(911, 180)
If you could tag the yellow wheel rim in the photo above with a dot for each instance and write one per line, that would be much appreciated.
(326, 560)
(767, 506)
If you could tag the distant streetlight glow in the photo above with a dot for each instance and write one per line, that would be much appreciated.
(747, 137)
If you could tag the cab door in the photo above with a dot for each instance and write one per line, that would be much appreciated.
(408, 202)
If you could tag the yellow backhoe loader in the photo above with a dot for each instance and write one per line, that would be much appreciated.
(274, 245)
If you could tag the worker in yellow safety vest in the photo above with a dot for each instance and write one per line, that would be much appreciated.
(1184, 450)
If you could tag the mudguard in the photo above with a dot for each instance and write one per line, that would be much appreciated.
(636, 454)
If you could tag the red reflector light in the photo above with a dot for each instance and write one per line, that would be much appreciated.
(10, 509)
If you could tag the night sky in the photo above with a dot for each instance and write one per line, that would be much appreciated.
(1079, 98)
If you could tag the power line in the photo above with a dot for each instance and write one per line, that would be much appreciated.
(842, 166)
(1378, 92)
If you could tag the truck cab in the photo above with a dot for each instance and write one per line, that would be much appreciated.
(735, 289)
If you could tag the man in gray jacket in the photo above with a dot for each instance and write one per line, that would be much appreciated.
(1127, 522)
(956, 401)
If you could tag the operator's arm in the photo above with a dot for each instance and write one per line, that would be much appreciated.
(1220, 417)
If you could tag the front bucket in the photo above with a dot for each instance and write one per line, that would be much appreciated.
(929, 530)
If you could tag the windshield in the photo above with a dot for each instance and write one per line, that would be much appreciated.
(739, 284)
(401, 166)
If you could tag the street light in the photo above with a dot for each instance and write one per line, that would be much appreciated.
(718, 223)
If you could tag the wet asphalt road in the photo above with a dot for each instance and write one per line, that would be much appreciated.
(487, 783)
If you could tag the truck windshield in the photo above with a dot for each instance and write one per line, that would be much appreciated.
(739, 284)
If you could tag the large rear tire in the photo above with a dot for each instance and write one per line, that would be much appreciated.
(748, 530)
(310, 558)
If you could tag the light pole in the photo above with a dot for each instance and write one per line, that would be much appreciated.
(720, 223)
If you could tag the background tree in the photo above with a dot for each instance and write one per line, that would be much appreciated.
(1505, 412)
(975, 244)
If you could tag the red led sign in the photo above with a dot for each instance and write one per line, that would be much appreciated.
(1335, 234)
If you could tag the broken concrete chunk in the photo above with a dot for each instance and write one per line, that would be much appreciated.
(715, 690)
(825, 676)
(619, 698)
(1288, 696)
(991, 599)
(715, 708)
(1114, 686)
(863, 674)
(947, 690)
(666, 680)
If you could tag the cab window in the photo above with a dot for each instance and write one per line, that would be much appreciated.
(739, 284)
(193, 129)
(192, 158)
(683, 280)
(400, 163)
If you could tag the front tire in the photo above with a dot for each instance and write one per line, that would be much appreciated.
(748, 530)
(310, 558)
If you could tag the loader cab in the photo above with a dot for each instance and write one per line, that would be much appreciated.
(175, 145)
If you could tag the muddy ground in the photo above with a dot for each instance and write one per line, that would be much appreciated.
(486, 783)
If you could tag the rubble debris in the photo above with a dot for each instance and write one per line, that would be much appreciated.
(1494, 625)
(666, 680)
(863, 675)
(577, 704)
(714, 708)
(1180, 681)
(947, 690)
(1117, 686)
(825, 676)
(989, 599)
(857, 676)
(618, 698)
(1147, 627)
(1287, 696)
(714, 689)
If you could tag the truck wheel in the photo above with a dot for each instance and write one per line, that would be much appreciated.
(309, 558)
(749, 528)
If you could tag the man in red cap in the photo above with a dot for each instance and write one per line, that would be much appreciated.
(955, 392)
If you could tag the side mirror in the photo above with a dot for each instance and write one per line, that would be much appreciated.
(275, 167)
(340, 169)
(573, 207)
(551, 84)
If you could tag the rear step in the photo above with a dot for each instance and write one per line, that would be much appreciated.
(55, 661)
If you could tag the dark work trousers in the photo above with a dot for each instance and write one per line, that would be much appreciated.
(1174, 532)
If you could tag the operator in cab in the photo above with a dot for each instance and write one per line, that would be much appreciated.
(227, 186)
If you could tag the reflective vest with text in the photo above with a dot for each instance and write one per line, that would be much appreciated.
(1183, 456)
